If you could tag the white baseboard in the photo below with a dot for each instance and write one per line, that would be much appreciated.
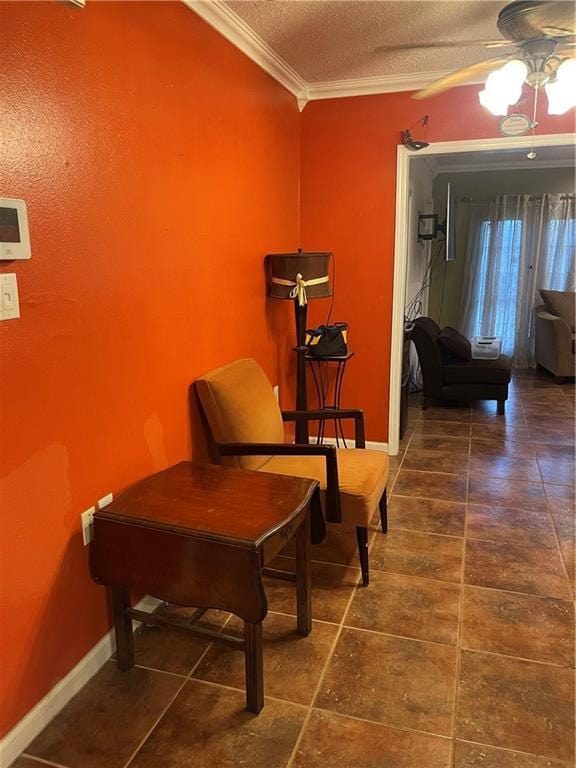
(56, 699)
(370, 444)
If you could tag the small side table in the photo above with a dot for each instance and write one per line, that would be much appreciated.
(320, 369)
(202, 536)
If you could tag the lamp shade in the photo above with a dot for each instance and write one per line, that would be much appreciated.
(299, 276)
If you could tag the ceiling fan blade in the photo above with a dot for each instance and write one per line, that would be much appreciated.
(555, 18)
(444, 44)
(460, 77)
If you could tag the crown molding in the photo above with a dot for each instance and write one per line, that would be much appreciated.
(368, 86)
(233, 28)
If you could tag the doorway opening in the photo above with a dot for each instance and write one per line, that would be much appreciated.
(428, 277)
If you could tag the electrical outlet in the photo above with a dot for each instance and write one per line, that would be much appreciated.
(105, 500)
(277, 393)
(87, 522)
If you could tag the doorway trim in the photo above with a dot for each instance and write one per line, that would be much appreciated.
(403, 158)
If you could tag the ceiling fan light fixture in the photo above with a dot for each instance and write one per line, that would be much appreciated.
(503, 87)
(493, 102)
(561, 91)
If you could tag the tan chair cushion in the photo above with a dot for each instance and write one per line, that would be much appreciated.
(240, 406)
(362, 476)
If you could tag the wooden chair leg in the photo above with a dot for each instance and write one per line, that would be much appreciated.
(500, 407)
(123, 628)
(254, 667)
(383, 507)
(303, 579)
(362, 536)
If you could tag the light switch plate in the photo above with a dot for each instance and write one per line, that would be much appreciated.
(9, 302)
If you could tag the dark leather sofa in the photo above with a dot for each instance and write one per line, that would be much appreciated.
(447, 378)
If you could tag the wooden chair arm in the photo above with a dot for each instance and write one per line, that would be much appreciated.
(333, 513)
(330, 414)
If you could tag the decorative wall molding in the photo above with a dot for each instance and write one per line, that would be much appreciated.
(367, 86)
(16, 740)
(234, 28)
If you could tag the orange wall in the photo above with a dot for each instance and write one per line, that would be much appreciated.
(348, 190)
(159, 165)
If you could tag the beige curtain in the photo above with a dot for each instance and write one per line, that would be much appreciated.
(516, 245)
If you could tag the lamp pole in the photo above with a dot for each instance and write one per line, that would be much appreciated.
(301, 313)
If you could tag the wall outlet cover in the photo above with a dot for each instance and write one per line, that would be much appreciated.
(105, 500)
(87, 522)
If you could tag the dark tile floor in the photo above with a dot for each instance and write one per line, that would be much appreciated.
(459, 654)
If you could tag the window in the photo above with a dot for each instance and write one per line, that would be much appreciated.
(498, 280)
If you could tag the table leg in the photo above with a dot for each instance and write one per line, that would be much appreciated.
(254, 667)
(123, 628)
(303, 578)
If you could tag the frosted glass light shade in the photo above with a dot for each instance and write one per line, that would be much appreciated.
(493, 102)
(561, 92)
(503, 87)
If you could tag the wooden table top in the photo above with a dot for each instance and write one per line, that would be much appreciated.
(213, 502)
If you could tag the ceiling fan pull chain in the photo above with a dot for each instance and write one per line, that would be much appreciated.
(532, 154)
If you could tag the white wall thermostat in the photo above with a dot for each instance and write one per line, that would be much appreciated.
(14, 235)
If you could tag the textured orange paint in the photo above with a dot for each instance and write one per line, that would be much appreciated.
(159, 165)
(348, 191)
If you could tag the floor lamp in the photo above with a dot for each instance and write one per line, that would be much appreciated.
(299, 277)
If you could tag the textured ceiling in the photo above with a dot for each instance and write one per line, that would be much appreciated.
(329, 40)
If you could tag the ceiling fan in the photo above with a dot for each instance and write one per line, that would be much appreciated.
(543, 35)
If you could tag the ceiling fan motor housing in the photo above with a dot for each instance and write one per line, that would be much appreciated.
(523, 20)
(536, 55)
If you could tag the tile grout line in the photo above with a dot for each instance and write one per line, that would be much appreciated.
(456, 646)
(559, 548)
(512, 751)
(42, 760)
(156, 723)
(321, 680)
(172, 700)
(460, 620)
(478, 586)
(571, 589)
(214, 684)
(404, 728)
(518, 658)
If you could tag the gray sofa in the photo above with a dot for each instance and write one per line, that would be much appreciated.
(555, 341)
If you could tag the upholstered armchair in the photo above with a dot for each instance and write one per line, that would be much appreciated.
(246, 426)
(555, 342)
